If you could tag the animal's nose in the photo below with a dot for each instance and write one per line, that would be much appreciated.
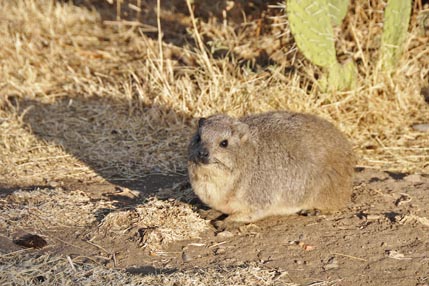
(203, 153)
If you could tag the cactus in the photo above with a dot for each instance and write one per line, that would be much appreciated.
(311, 22)
(340, 77)
(396, 19)
(337, 10)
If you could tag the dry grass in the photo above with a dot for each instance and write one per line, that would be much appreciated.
(83, 99)
(44, 209)
(41, 210)
(27, 269)
(154, 224)
(123, 109)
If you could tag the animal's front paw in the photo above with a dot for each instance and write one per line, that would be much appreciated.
(222, 225)
(210, 214)
(241, 218)
(231, 222)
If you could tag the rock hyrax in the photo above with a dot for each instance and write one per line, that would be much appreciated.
(275, 163)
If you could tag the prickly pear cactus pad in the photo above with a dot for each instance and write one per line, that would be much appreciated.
(337, 10)
(311, 27)
(396, 19)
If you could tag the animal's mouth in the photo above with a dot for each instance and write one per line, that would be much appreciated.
(198, 160)
(213, 162)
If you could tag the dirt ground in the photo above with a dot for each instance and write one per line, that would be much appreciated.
(97, 108)
(381, 239)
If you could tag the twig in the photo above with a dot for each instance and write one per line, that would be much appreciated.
(349, 256)
(217, 244)
(115, 263)
(98, 246)
(199, 41)
(118, 9)
(158, 22)
(71, 263)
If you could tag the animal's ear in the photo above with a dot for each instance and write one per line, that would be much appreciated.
(201, 122)
(242, 130)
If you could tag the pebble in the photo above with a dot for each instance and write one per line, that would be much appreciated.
(220, 250)
(186, 257)
(396, 255)
(229, 261)
(332, 264)
(31, 241)
(422, 127)
(372, 217)
(225, 234)
(413, 178)
(53, 184)
(425, 93)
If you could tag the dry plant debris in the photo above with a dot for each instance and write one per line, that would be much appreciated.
(47, 208)
(27, 269)
(154, 224)
(84, 97)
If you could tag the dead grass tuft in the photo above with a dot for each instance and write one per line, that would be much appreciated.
(151, 225)
(44, 209)
(27, 269)
(104, 89)
(154, 224)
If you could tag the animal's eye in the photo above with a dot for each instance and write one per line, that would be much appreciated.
(224, 144)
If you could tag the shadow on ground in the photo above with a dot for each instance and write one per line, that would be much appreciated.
(143, 149)
(176, 23)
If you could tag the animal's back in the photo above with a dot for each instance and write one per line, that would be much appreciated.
(304, 160)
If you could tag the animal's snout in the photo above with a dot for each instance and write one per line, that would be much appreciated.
(198, 152)
(203, 153)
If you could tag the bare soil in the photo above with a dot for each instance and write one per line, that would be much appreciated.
(381, 239)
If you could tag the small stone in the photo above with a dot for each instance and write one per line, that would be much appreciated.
(225, 234)
(396, 255)
(372, 217)
(422, 127)
(186, 257)
(413, 178)
(220, 250)
(305, 246)
(425, 93)
(403, 199)
(332, 264)
(229, 261)
(53, 184)
(31, 241)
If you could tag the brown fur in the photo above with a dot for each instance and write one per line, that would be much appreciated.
(275, 163)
